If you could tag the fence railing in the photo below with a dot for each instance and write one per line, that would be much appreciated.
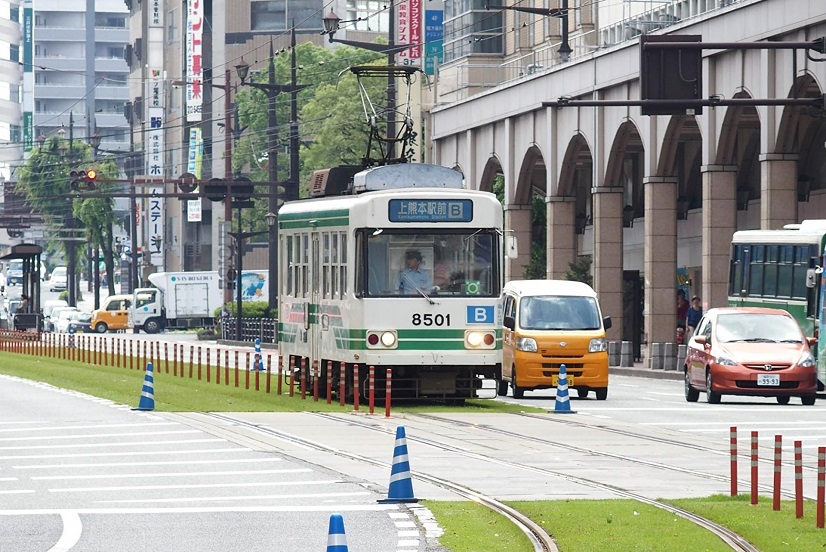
(265, 329)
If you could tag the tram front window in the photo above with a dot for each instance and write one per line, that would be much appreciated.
(448, 263)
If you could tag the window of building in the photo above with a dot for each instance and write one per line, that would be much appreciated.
(471, 29)
(267, 15)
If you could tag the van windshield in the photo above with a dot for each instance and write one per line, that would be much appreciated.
(559, 313)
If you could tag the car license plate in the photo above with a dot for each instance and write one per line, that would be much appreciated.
(555, 381)
(768, 379)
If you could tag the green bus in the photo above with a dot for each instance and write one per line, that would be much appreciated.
(782, 269)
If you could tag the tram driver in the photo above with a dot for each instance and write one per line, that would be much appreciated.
(413, 278)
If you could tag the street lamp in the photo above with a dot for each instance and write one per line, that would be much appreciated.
(271, 89)
(331, 25)
(239, 254)
(561, 12)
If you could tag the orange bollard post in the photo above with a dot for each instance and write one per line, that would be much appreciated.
(199, 363)
(798, 479)
(315, 379)
(226, 367)
(821, 485)
(269, 371)
(371, 388)
(329, 382)
(218, 367)
(302, 376)
(247, 370)
(131, 356)
(356, 391)
(175, 360)
(236, 369)
(208, 366)
(279, 374)
(778, 455)
(388, 391)
(754, 467)
(166, 356)
(191, 361)
(342, 373)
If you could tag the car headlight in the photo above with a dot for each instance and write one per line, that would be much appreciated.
(597, 345)
(526, 344)
(806, 360)
(725, 361)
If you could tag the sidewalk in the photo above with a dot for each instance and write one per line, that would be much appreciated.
(639, 370)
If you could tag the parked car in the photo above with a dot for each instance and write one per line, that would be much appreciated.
(49, 321)
(59, 278)
(750, 351)
(80, 322)
(61, 324)
(51, 304)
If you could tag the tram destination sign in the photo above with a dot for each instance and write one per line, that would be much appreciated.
(430, 210)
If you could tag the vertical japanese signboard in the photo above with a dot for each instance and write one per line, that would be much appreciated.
(194, 67)
(434, 32)
(28, 74)
(155, 168)
(410, 31)
(194, 166)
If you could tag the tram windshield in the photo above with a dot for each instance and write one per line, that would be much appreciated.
(452, 263)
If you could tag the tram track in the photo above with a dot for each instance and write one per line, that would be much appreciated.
(539, 538)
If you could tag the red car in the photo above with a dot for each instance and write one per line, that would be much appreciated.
(750, 351)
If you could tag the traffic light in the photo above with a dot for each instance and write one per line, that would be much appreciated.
(80, 181)
(215, 189)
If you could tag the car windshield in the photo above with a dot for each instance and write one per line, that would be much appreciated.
(559, 313)
(82, 317)
(758, 327)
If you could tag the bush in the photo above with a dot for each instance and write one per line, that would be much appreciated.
(255, 309)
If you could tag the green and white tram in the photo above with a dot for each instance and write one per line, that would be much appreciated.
(782, 269)
(347, 293)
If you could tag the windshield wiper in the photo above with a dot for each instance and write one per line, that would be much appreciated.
(417, 288)
(790, 341)
(758, 340)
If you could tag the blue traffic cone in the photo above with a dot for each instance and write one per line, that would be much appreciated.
(336, 540)
(401, 484)
(147, 401)
(562, 404)
(257, 364)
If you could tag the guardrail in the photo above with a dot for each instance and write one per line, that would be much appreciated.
(265, 329)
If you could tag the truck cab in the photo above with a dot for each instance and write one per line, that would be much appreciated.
(147, 313)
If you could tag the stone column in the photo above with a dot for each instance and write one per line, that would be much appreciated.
(561, 238)
(660, 260)
(518, 224)
(778, 190)
(608, 255)
(719, 224)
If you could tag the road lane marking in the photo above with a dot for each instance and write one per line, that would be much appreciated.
(100, 435)
(201, 486)
(227, 498)
(73, 427)
(19, 491)
(169, 463)
(170, 474)
(131, 453)
(72, 529)
(128, 444)
(290, 508)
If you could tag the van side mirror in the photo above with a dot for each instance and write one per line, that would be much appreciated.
(606, 322)
(510, 323)
(812, 341)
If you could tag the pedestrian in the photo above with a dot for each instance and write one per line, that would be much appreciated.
(24, 303)
(682, 308)
(692, 317)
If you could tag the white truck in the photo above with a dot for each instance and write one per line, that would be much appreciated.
(188, 299)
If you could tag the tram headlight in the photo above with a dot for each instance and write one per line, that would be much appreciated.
(382, 339)
(475, 339)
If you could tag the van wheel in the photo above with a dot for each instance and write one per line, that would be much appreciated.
(582, 393)
(518, 392)
(501, 388)
(101, 327)
(602, 393)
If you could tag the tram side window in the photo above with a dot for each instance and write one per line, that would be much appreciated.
(326, 265)
(342, 282)
(305, 264)
(288, 284)
(802, 255)
(334, 265)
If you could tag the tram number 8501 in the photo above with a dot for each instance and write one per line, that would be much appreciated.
(431, 319)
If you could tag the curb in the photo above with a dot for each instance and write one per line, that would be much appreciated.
(646, 373)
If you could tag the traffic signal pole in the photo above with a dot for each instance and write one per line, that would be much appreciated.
(228, 179)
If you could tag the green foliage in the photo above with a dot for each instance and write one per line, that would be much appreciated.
(537, 267)
(44, 180)
(253, 309)
(331, 122)
(579, 270)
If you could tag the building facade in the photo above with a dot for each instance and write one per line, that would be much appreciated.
(646, 197)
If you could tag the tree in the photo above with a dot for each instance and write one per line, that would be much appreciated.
(44, 179)
(536, 269)
(331, 118)
(579, 270)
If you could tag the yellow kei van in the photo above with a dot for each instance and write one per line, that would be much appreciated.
(549, 323)
(113, 314)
